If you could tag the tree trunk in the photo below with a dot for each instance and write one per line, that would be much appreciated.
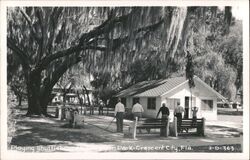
(34, 106)
(87, 93)
(39, 97)
(84, 90)
(19, 100)
(191, 98)
(33, 88)
(64, 95)
(45, 99)
(80, 100)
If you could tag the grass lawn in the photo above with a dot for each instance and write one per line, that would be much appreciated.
(230, 111)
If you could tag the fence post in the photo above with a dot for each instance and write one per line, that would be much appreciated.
(167, 127)
(84, 110)
(57, 111)
(59, 108)
(134, 128)
(175, 127)
(203, 126)
(163, 130)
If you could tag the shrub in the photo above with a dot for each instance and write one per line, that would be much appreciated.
(11, 111)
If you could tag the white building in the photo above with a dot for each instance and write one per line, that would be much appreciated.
(71, 96)
(170, 91)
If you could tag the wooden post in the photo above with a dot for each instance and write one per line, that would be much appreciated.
(203, 126)
(167, 127)
(175, 127)
(85, 110)
(134, 128)
(163, 130)
(59, 112)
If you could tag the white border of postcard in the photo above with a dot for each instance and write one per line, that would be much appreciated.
(7, 154)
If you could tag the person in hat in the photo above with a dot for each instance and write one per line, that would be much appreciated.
(119, 111)
(164, 116)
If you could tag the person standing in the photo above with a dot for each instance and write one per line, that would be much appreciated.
(194, 110)
(178, 114)
(164, 116)
(100, 108)
(137, 110)
(69, 116)
(119, 110)
(92, 107)
(164, 111)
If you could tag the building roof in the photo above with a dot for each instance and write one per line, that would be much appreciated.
(76, 87)
(152, 88)
(157, 88)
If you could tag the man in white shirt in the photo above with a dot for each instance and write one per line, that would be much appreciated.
(178, 114)
(119, 110)
(137, 110)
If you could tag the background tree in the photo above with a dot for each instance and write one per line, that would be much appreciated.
(15, 78)
(17, 85)
(217, 52)
(103, 84)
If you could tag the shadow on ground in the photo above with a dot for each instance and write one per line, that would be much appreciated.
(222, 131)
(42, 133)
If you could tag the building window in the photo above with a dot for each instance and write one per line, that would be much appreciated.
(172, 103)
(207, 105)
(151, 103)
(135, 100)
(123, 100)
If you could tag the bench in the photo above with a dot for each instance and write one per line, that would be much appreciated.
(151, 123)
(187, 124)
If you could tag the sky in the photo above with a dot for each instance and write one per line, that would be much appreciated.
(237, 12)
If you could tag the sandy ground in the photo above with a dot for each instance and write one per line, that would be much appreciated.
(97, 134)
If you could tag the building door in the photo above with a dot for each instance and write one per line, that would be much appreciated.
(186, 107)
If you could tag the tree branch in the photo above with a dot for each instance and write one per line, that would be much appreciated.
(151, 27)
(21, 54)
(84, 38)
(59, 85)
(95, 33)
(53, 23)
(39, 14)
(100, 48)
(60, 70)
(48, 59)
(118, 41)
(105, 26)
(27, 18)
